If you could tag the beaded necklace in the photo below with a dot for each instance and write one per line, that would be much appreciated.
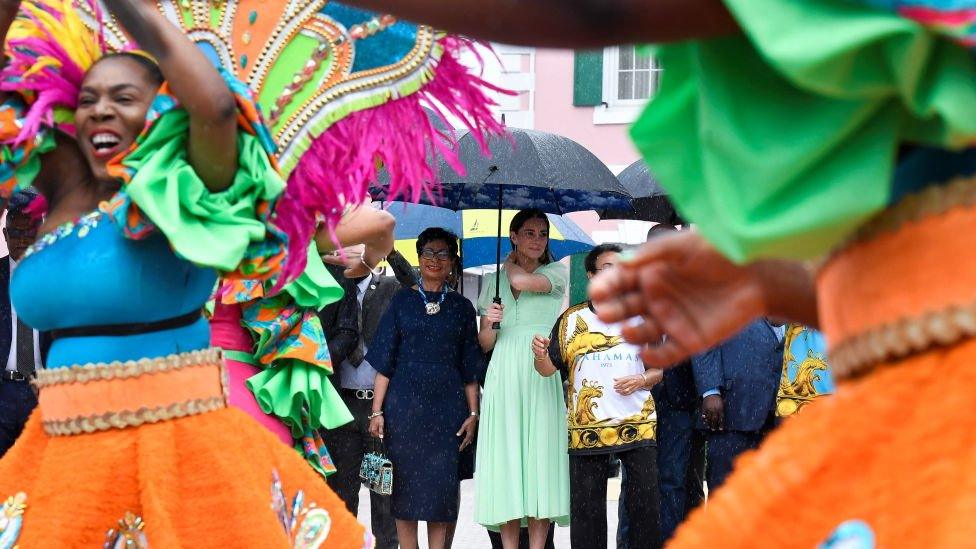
(432, 308)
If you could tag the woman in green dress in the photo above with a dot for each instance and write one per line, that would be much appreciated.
(522, 461)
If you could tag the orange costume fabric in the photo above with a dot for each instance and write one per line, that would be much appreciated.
(142, 483)
(894, 447)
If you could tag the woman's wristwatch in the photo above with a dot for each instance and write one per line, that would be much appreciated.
(375, 414)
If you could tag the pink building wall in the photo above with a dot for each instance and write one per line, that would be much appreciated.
(554, 111)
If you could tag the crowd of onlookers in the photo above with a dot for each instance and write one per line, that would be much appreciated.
(549, 402)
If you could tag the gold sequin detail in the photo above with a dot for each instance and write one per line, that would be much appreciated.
(122, 370)
(132, 418)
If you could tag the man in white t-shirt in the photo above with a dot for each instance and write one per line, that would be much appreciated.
(610, 411)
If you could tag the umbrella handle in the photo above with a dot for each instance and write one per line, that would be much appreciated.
(496, 325)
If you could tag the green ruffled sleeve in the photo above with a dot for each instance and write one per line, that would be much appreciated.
(315, 287)
(287, 390)
(164, 193)
(291, 345)
(783, 141)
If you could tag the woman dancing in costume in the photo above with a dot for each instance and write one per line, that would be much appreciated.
(132, 441)
(874, 168)
(274, 347)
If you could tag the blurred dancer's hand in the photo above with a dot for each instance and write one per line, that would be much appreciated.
(681, 286)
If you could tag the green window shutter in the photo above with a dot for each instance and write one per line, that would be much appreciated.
(578, 282)
(588, 78)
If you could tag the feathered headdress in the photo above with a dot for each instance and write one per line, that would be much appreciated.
(48, 50)
(344, 90)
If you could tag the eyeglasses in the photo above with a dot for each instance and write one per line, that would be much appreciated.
(442, 255)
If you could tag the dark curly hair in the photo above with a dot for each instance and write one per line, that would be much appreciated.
(589, 263)
(435, 234)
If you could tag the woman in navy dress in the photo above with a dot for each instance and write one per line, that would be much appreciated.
(427, 357)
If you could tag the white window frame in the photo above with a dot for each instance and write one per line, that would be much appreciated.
(613, 110)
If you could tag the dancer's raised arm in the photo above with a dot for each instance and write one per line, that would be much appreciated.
(8, 11)
(194, 80)
(567, 23)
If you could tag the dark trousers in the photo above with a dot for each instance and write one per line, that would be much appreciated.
(496, 538)
(347, 445)
(17, 400)
(723, 448)
(681, 466)
(588, 498)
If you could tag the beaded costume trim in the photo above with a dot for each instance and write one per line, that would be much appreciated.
(129, 418)
(857, 355)
(122, 370)
(53, 379)
(933, 200)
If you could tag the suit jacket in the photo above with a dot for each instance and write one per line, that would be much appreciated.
(746, 369)
(6, 317)
(340, 320)
(677, 390)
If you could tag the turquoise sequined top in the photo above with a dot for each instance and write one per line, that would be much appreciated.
(88, 274)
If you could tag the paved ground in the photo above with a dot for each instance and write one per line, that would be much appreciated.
(472, 536)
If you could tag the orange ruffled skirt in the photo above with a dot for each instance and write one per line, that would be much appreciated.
(167, 464)
(895, 447)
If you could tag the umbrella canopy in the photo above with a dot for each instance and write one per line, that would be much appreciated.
(649, 203)
(478, 232)
(527, 169)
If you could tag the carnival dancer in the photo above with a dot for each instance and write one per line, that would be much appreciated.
(872, 169)
(274, 347)
(133, 442)
(523, 465)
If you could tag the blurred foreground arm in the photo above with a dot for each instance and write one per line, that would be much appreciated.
(567, 23)
(682, 287)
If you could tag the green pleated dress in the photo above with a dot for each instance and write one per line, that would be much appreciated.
(522, 465)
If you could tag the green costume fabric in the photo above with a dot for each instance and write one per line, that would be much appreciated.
(781, 142)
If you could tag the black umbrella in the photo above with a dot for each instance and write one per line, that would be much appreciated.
(526, 169)
(650, 202)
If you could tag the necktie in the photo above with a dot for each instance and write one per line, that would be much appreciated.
(25, 349)
(357, 355)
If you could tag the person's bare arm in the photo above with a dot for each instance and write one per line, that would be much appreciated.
(195, 81)
(524, 281)
(681, 286)
(567, 23)
(8, 11)
(362, 225)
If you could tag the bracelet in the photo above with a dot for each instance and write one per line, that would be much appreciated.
(375, 415)
(473, 414)
(644, 377)
(375, 270)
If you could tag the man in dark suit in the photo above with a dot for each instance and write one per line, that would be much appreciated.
(738, 381)
(350, 325)
(22, 346)
(680, 447)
